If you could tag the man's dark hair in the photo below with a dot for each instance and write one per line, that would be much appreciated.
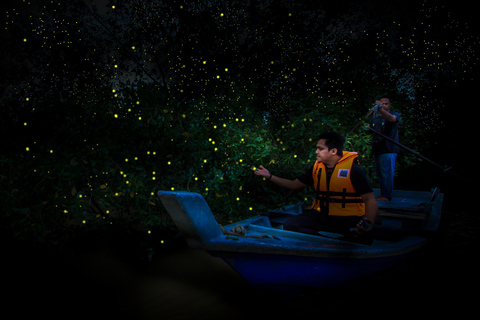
(333, 140)
(384, 97)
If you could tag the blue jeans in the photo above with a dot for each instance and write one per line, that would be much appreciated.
(385, 168)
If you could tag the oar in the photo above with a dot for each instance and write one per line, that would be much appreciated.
(417, 154)
(360, 121)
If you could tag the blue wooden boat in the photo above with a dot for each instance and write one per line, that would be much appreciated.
(268, 256)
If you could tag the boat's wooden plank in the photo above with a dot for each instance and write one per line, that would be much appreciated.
(399, 214)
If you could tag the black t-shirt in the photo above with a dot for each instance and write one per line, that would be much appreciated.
(381, 145)
(358, 177)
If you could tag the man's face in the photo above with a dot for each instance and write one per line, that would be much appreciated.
(386, 103)
(323, 154)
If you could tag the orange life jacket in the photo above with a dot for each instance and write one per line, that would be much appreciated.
(340, 196)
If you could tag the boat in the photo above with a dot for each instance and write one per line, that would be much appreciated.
(269, 257)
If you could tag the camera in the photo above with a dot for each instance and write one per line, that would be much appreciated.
(364, 223)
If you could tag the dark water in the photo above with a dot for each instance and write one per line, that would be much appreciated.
(111, 278)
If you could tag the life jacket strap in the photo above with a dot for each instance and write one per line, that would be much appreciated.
(340, 197)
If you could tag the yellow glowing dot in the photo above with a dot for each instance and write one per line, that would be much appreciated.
(116, 66)
(116, 115)
(27, 148)
(133, 48)
(218, 77)
(65, 211)
(169, 163)
(221, 14)
(84, 221)
(204, 62)
(24, 40)
(162, 242)
(139, 118)
(250, 208)
(173, 188)
(153, 178)
(25, 124)
(113, 7)
(205, 160)
(238, 199)
(51, 151)
(226, 69)
(149, 232)
(126, 159)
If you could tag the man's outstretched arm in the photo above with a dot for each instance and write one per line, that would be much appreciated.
(286, 183)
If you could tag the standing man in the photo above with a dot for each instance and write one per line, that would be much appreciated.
(384, 151)
(344, 201)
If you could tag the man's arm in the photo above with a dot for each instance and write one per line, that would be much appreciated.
(387, 115)
(371, 210)
(286, 183)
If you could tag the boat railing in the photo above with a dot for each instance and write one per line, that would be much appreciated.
(408, 214)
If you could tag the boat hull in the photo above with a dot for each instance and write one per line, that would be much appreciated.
(267, 270)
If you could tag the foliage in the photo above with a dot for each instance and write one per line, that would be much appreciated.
(106, 106)
(103, 163)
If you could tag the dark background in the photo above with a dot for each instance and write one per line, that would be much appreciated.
(108, 274)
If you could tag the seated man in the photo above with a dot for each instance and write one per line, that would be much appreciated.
(344, 201)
